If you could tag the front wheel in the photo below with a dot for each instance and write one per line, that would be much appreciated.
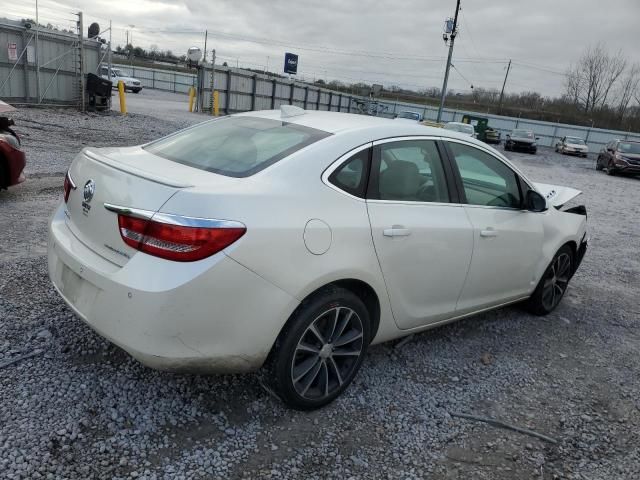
(320, 350)
(598, 165)
(553, 283)
(611, 169)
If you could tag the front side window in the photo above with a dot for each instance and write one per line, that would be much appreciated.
(486, 180)
(235, 146)
(410, 171)
(351, 176)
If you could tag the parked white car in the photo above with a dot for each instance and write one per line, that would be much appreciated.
(117, 75)
(292, 240)
(465, 128)
(572, 145)
(409, 116)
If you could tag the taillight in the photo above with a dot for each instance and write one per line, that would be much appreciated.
(68, 186)
(180, 243)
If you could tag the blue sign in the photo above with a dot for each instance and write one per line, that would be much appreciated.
(290, 63)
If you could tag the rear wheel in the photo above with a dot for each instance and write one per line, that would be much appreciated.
(320, 350)
(553, 283)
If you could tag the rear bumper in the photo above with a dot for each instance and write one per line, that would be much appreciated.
(212, 316)
(15, 161)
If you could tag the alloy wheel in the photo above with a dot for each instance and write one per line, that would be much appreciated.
(556, 281)
(327, 353)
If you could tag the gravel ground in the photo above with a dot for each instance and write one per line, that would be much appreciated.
(81, 408)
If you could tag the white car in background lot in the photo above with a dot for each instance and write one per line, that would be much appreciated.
(572, 145)
(464, 128)
(292, 240)
(409, 116)
(116, 76)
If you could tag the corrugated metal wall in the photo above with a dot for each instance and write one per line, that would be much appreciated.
(242, 90)
(58, 55)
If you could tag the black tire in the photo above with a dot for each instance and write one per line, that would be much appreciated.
(4, 174)
(136, 90)
(610, 169)
(598, 164)
(297, 361)
(555, 280)
(534, 151)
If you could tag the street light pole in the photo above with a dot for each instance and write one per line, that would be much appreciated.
(452, 37)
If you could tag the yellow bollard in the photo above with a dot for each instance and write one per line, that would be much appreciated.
(216, 103)
(192, 96)
(123, 100)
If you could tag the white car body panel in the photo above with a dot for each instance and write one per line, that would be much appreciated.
(223, 313)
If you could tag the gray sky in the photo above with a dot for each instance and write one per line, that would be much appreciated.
(385, 41)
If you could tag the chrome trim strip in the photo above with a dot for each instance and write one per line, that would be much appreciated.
(172, 219)
(130, 212)
(73, 184)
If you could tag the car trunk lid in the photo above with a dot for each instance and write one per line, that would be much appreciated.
(129, 177)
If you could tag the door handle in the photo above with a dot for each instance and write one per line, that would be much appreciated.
(396, 231)
(489, 232)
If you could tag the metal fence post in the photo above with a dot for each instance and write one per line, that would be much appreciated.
(253, 92)
(340, 103)
(306, 96)
(273, 93)
(293, 90)
(318, 100)
(174, 82)
(153, 79)
(81, 40)
(349, 108)
(330, 100)
(228, 102)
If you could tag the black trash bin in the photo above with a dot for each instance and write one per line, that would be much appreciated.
(99, 91)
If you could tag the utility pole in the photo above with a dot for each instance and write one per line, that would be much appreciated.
(204, 59)
(503, 85)
(454, 32)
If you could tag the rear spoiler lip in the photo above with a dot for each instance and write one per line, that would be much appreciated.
(113, 163)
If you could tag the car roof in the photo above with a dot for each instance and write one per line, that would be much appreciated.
(335, 122)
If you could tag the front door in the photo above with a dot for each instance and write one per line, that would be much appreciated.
(423, 240)
(507, 238)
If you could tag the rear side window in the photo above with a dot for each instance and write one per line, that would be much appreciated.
(409, 171)
(351, 176)
(235, 146)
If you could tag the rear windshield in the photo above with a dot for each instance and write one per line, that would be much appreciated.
(235, 146)
(522, 134)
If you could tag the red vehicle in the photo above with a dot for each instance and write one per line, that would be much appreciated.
(12, 158)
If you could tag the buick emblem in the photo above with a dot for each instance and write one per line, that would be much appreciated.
(89, 190)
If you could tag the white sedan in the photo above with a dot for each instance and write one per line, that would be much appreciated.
(572, 145)
(292, 240)
(465, 128)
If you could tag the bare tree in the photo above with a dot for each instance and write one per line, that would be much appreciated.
(629, 89)
(590, 82)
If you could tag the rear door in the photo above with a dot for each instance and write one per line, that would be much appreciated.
(423, 239)
(507, 238)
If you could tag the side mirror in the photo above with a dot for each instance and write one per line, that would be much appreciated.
(535, 202)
